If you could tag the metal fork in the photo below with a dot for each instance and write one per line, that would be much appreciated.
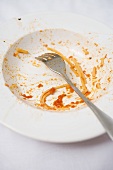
(55, 63)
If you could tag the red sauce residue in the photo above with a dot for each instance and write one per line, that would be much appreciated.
(52, 90)
(87, 93)
(26, 97)
(75, 103)
(69, 96)
(73, 106)
(59, 103)
(78, 102)
(72, 102)
(70, 89)
(40, 85)
(98, 86)
(70, 56)
(88, 75)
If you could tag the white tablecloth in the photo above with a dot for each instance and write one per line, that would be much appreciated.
(20, 153)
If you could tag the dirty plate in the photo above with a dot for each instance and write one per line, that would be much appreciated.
(24, 81)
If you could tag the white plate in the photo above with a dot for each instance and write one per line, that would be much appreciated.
(69, 126)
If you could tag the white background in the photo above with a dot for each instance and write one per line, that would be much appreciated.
(20, 153)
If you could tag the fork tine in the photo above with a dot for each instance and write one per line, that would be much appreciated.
(46, 56)
(41, 59)
(51, 60)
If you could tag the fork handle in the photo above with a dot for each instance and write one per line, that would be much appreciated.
(105, 120)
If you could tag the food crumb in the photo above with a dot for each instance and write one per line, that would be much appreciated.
(102, 62)
(78, 43)
(13, 86)
(86, 52)
(98, 86)
(52, 43)
(90, 58)
(59, 42)
(15, 54)
(40, 85)
(109, 79)
(96, 44)
(35, 64)
(44, 74)
(87, 93)
(25, 96)
(88, 75)
(45, 45)
(5, 59)
(108, 60)
(6, 84)
(94, 72)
